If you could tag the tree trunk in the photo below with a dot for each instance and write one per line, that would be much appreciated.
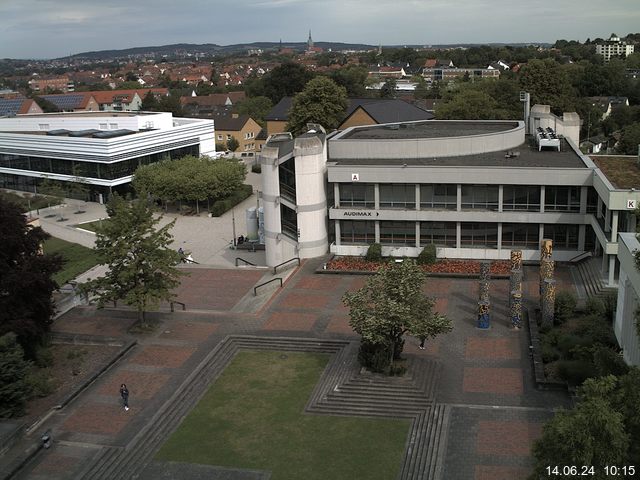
(197, 207)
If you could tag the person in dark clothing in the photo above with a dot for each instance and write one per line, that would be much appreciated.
(124, 393)
(422, 340)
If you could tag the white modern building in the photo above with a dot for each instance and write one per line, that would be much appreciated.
(614, 47)
(627, 333)
(475, 189)
(104, 148)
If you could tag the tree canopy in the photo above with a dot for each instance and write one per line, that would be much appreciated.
(548, 83)
(256, 107)
(141, 265)
(391, 304)
(283, 81)
(190, 178)
(629, 139)
(26, 283)
(14, 388)
(321, 101)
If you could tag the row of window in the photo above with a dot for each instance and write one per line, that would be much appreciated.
(443, 234)
(106, 171)
(473, 197)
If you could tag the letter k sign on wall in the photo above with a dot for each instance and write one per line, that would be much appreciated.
(355, 177)
(631, 204)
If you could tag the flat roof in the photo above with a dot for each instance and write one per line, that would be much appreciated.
(525, 156)
(101, 113)
(621, 171)
(428, 129)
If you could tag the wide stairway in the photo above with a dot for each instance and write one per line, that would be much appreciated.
(588, 273)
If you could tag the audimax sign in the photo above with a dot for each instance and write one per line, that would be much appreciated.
(359, 213)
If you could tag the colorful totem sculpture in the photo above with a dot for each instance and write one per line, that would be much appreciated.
(516, 259)
(548, 302)
(483, 302)
(516, 309)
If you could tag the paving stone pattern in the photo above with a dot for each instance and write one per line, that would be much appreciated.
(474, 407)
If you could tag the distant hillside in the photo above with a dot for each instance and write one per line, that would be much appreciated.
(214, 49)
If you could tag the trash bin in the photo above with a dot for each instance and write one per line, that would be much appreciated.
(46, 440)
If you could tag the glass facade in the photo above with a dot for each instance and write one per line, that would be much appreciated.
(398, 233)
(562, 199)
(565, 237)
(479, 235)
(289, 221)
(353, 232)
(287, 174)
(398, 195)
(521, 197)
(357, 195)
(479, 197)
(522, 235)
(439, 196)
(97, 170)
(442, 234)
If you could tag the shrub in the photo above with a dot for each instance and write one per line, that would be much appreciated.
(43, 357)
(14, 388)
(568, 342)
(610, 302)
(256, 168)
(374, 356)
(40, 382)
(594, 306)
(428, 255)
(574, 372)
(374, 253)
(608, 362)
(224, 205)
(598, 329)
(549, 353)
(565, 306)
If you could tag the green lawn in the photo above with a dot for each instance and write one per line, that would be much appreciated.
(91, 226)
(78, 259)
(252, 417)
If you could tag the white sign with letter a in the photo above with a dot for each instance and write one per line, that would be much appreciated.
(355, 177)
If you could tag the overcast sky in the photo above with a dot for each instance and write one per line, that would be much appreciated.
(55, 28)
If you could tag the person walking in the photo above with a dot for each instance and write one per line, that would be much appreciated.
(422, 340)
(124, 393)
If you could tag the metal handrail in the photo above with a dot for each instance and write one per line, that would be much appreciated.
(245, 261)
(184, 307)
(580, 257)
(255, 289)
(285, 262)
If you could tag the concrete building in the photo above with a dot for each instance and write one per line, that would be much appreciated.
(614, 47)
(628, 299)
(104, 148)
(475, 189)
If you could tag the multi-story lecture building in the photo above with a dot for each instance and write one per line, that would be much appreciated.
(475, 189)
(103, 148)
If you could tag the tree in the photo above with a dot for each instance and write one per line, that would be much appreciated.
(26, 306)
(284, 81)
(233, 144)
(391, 304)
(256, 107)
(53, 190)
(149, 103)
(352, 78)
(14, 388)
(78, 188)
(629, 140)
(388, 89)
(547, 82)
(141, 265)
(321, 101)
(468, 105)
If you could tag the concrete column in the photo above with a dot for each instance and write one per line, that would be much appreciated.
(459, 198)
(542, 200)
(500, 201)
(338, 233)
(631, 223)
(599, 208)
(612, 271)
(458, 234)
(418, 234)
(582, 234)
(614, 226)
(583, 199)
(417, 196)
(500, 231)
(541, 232)
(377, 231)
(336, 194)
(607, 221)
(605, 257)
(376, 195)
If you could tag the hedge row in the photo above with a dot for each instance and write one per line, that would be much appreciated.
(221, 206)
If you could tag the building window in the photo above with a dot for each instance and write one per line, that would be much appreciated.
(289, 222)
(562, 199)
(480, 197)
(43, 126)
(442, 234)
(565, 237)
(521, 197)
(523, 235)
(219, 137)
(479, 235)
(102, 126)
(398, 233)
(287, 174)
(357, 195)
(113, 126)
(592, 200)
(357, 232)
(439, 196)
(228, 137)
(398, 195)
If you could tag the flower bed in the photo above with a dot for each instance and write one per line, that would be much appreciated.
(442, 266)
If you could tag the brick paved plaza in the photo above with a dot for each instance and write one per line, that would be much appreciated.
(495, 411)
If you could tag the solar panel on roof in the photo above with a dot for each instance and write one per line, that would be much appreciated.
(10, 106)
(65, 102)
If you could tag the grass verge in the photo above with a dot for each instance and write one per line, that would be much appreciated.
(77, 259)
(253, 417)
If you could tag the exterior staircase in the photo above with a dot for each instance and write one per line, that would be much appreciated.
(587, 273)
